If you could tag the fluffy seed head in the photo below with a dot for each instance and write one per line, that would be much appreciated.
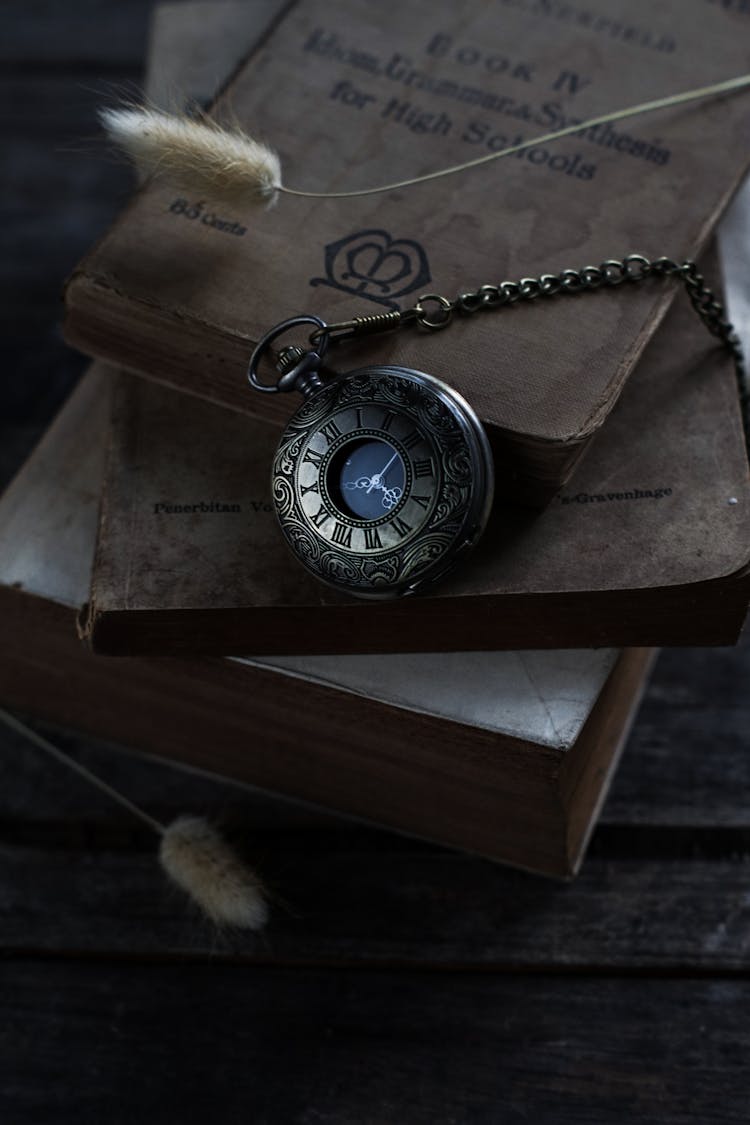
(213, 161)
(200, 861)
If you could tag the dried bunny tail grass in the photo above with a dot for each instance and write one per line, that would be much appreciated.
(225, 162)
(192, 853)
(200, 861)
(200, 154)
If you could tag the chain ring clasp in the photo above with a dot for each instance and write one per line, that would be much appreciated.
(303, 376)
(440, 318)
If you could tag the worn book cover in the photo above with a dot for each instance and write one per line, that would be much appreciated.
(649, 544)
(354, 94)
(507, 754)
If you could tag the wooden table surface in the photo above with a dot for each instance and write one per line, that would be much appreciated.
(397, 982)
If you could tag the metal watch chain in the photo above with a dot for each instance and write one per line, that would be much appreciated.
(612, 272)
(352, 429)
(434, 312)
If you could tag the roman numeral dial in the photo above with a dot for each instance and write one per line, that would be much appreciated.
(342, 535)
(313, 457)
(330, 431)
(401, 527)
(367, 479)
(372, 539)
(382, 479)
(321, 516)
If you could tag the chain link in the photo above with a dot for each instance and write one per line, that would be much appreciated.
(434, 312)
(633, 268)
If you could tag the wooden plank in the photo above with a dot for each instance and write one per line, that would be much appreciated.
(41, 801)
(63, 186)
(123, 1043)
(688, 760)
(57, 111)
(61, 190)
(362, 897)
(87, 33)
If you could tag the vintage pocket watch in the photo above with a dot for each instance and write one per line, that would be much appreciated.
(383, 479)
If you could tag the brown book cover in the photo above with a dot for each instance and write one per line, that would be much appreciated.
(506, 754)
(648, 545)
(354, 94)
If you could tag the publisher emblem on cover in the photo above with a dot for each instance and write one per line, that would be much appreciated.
(372, 264)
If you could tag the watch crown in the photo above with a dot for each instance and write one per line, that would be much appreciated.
(289, 357)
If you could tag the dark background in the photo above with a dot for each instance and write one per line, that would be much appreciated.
(398, 982)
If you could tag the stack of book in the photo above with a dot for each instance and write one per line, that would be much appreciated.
(489, 713)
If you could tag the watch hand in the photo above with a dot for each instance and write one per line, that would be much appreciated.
(391, 497)
(385, 470)
(377, 480)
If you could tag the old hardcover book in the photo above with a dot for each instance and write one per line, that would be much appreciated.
(506, 754)
(648, 545)
(355, 94)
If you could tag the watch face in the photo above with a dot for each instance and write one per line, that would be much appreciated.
(381, 478)
(367, 478)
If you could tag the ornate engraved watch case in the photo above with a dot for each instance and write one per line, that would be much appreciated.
(383, 478)
(382, 481)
